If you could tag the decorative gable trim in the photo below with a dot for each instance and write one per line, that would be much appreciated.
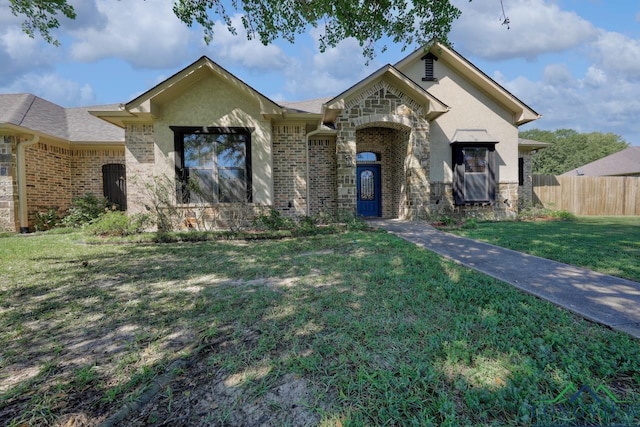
(385, 87)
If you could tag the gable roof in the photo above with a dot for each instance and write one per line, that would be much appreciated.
(625, 162)
(148, 102)
(523, 113)
(28, 113)
(433, 107)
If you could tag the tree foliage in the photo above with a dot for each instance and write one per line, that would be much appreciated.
(570, 149)
(41, 16)
(405, 22)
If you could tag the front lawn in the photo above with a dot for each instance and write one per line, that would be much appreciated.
(357, 328)
(610, 245)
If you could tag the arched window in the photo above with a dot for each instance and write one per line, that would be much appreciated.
(368, 156)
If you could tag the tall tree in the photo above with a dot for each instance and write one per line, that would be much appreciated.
(404, 22)
(570, 149)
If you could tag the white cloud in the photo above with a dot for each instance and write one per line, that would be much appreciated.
(145, 34)
(618, 53)
(587, 104)
(52, 87)
(595, 77)
(237, 49)
(536, 27)
(20, 54)
(327, 73)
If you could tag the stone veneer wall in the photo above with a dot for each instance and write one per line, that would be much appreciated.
(290, 169)
(442, 202)
(8, 185)
(140, 164)
(382, 105)
(86, 169)
(525, 191)
(48, 173)
(322, 176)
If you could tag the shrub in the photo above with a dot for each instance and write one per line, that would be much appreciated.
(85, 209)
(470, 223)
(48, 219)
(116, 223)
(273, 221)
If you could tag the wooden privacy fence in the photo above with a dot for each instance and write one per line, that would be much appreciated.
(588, 195)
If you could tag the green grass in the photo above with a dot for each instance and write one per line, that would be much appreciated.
(383, 332)
(610, 245)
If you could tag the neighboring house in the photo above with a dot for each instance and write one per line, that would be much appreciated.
(623, 163)
(429, 134)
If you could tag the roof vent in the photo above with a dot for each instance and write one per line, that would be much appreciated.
(428, 67)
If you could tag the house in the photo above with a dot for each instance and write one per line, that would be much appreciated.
(623, 163)
(49, 155)
(430, 134)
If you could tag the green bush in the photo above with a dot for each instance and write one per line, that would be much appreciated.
(48, 219)
(116, 223)
(274, 221)
(470, 223)
(85, 209)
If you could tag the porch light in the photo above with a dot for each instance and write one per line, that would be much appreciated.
(348, 160)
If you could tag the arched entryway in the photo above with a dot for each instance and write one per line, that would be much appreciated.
(380, 175)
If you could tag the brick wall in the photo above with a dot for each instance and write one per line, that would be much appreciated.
(322, 176)
(290, 169)
(48, 173)
(140, 162)
(86, 169)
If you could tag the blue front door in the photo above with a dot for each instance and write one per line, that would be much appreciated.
(368, 184)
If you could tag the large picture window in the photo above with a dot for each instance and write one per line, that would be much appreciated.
(213, 164)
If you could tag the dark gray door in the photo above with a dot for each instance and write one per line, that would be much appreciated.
(114, 184)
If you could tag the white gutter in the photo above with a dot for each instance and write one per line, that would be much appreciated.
(21, 173)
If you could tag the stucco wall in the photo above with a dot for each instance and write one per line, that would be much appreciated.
(214, 102)
(471, 108)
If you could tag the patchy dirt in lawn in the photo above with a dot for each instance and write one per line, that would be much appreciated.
(204, 395)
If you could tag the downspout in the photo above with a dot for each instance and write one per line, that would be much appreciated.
(21, 173)
(306, 139)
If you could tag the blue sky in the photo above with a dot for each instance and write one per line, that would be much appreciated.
(576, 62)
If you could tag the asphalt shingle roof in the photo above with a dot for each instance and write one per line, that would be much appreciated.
(625, 162)
(72, 124)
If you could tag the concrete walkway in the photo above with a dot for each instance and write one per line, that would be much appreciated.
(608, 300)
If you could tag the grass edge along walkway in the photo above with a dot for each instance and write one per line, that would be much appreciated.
(609, 300)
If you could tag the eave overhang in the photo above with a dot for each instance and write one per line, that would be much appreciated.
(147, 106)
